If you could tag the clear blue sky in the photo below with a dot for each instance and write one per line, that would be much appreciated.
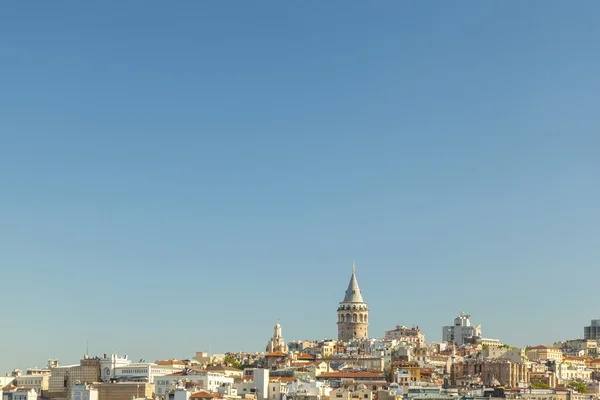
(174, 177)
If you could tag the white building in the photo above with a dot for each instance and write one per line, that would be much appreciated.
(143, 372)
(14, 393)
(37, 379)
(568, 373)
(307, 390)
(200, 380)
(84, 392)
(259, 386)
(462, 331)
(108, 364)
(6, 380)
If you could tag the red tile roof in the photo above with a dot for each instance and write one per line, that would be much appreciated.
(169, 362)
(204, 395)
(275, 354)
(351, 375)
(282, 378)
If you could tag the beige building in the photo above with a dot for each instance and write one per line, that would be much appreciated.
(124, 390)
(538, 394)
(513, 354)
(506, 372)
(62, 378)
(544, 353)
(579, 347)
(353, 314)
(361, 393)
(403, 334)
(36, 379)
(367, 363)
(326, 348)
(545, 377)
(226, 371)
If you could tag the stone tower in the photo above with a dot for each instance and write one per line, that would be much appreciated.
(353, 314)
(277, 343)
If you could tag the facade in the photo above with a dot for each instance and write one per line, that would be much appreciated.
(124, 390)
(373, 364)
(84, 392)
(592, 332)
(307, 390)
(342, 393)
(545, 353)
(568, 372)
(579, 347)
(35, 379)
(513, 354)
(62, 378)
(15, 393)
(353, 314)
(108, 364)
(256, 384)
(200, 380)
(505, 372)
(6, 380)
(225, 370)
(145, 371)
(462, 331)
(410, 335)
(277, 343)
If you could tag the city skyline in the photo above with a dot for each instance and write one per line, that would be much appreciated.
(256, 348)
(175, 179)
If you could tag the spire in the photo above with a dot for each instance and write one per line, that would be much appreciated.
(353, 294)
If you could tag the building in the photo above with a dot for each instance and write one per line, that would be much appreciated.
(504, 372)
(62, 378)
(256, 383)
(200, 380)
(544, 353)
(146, 371)
(353, 314)
(342, 393)
(513, 354)
(277, 343)
(108, 365)
(6, 380)
(307, 390)
(124, 390)
(410, 335)
(579, 347)
(372, 364)
(18, 393)
(345, 378)
(37, 379)
(84, 392)
(462, 331)
(226, 370)
(592, 332)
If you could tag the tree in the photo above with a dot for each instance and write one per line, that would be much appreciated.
(389, 374)
(540, 385)
(579, 386)
(232, 362)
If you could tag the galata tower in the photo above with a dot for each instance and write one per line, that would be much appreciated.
(353, 314)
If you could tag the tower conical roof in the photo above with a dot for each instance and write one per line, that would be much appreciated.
(353, 294)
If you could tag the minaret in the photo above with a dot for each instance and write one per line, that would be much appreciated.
(353, 314)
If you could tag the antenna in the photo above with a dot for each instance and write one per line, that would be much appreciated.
(87, 347)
